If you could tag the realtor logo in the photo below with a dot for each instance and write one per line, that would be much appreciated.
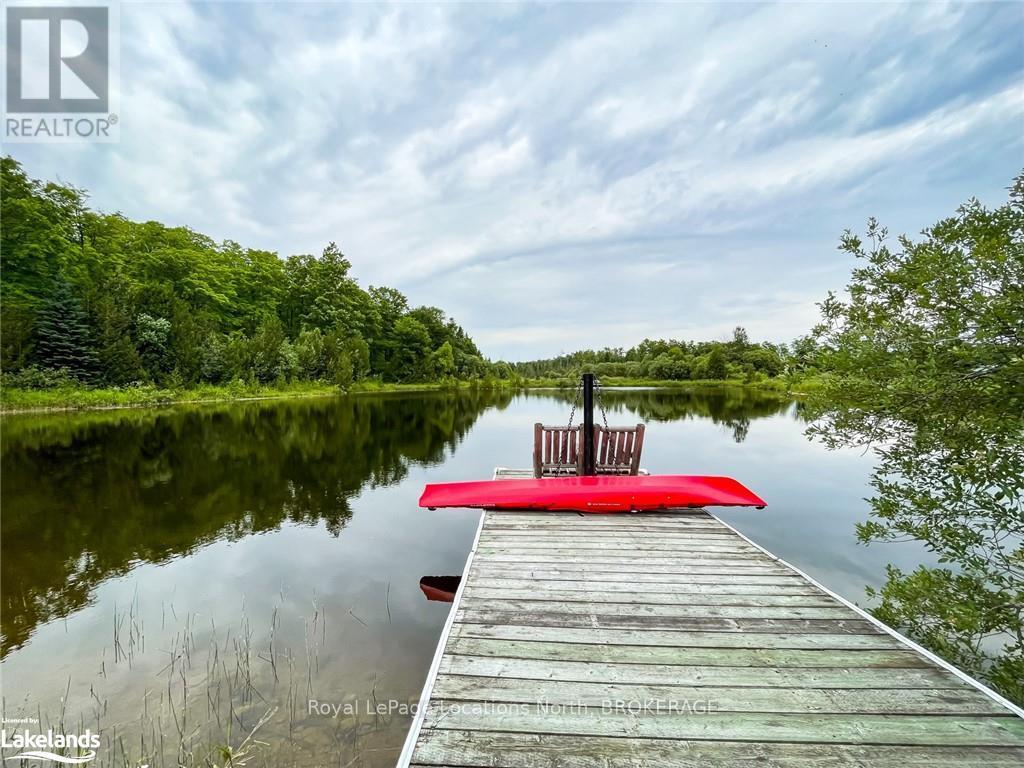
(58, 59)
(62, 67)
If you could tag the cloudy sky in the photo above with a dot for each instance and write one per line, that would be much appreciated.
(563, 176)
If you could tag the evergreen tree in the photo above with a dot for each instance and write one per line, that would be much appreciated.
(63, 339)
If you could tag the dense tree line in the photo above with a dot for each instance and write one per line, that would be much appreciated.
(100, 299)
(669, 360)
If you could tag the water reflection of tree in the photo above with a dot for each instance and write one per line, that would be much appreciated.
(729, 407)
(85, 498)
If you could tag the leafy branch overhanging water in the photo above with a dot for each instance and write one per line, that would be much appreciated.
(925, 362)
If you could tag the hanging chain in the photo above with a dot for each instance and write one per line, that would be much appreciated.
(600, 401)
(576, 402)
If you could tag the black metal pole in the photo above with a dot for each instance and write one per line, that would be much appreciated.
(588, 424)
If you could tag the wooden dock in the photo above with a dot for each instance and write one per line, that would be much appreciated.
(668, 640)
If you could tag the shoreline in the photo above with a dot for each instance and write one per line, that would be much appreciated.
(168, 398)
(63, 401)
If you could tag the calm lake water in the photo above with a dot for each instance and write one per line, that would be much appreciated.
(174, 577)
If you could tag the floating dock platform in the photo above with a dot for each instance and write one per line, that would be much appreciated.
(669, 640)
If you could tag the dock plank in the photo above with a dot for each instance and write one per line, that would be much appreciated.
(675, 655)
(451, 748)
(888, 729)
(723, 585)
(681, 610)
(680, 562)
(701, 623)
(677, 638)
(698, 675)
(666, 639)
(493, 591)
(921, 701)
(696, 573)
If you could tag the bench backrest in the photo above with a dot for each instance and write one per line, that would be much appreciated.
(559, 450)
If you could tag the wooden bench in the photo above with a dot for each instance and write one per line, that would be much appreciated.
(559, 450)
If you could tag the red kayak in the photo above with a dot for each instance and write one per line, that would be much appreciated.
(602, 493)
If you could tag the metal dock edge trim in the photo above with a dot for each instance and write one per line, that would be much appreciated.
(882, 625)
(428, 685)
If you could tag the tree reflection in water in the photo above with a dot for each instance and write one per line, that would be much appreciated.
(87, 497)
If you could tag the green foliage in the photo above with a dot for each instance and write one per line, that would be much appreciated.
(923, 363)
(16, 345)
(63, 339)
(153, 336)
(114, 302)
(714, 366)
(442, 362)
(34, 377)
(264, 355)
(668, 360)
(956, 615)
(410, 349)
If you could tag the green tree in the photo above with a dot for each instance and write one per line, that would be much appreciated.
(924, 365)
(714, 366)
(442, 363)
(359, 353)
(412, 346)
(309, 352)
(764, 359)
(740, 339)
(121, 362)
(152, 337)
(215, 367)
(18, 324)
(63, 338)
(265, 350)
(186, 344)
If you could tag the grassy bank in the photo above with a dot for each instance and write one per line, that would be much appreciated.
(14, 399)
(68, 397)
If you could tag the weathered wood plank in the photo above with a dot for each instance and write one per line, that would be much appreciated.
(534, 607)
(680, 513)
(592, 524)
(651, 562)
(728, 585)
(597, 531)
(680, 698)
(691, 530)
(444, 748)
(689, 623)
(670, 638)
(748, 726)
(492, 591)
(597, 522)
(665, 674)
(670, 542)
(666, 574)
(622, 546)
(710, 657)
(641, 562)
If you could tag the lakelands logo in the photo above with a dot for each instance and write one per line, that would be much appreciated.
(41, 746)
(59, 72)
